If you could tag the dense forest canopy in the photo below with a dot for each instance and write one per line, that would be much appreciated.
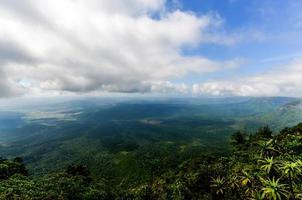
(106, 134)
(260, 166)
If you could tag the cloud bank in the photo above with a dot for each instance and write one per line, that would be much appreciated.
(285, 81)
(129, 46)
(81, 46)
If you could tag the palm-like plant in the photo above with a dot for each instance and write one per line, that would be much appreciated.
(178, 188)
(273, 189)
(218, 184)
(267, 148)
(257, 196)
(246, 178)
(234, 184)
(291, 170)
(267, 164)
(247, 182)
(299, 196)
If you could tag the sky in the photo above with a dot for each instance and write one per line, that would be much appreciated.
(159, 47)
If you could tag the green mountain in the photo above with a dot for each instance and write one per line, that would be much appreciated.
(130, 142)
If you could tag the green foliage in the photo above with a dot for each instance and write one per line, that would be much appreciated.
(239, 140)
(261, 166)
(264, 133)
(74, 184)
(9, 168)
(267, 164)
(218, 185)
(272, 170)
(272, 189)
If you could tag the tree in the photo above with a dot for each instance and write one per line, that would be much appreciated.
(10, 167)
(238, 139)
(79, 170)
(265, 133)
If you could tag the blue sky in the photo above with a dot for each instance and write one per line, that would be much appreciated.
(160, 47)
(277, 23)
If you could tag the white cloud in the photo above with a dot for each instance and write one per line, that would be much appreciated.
(99, 45)
(286, 81)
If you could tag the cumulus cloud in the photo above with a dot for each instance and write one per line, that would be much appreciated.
(99, 45)
(7, 86)
(286, 81)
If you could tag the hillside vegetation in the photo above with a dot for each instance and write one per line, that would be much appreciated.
(110, 135)
(260, 166)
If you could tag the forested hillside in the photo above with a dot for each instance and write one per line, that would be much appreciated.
(260, 166)
(109, 135)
